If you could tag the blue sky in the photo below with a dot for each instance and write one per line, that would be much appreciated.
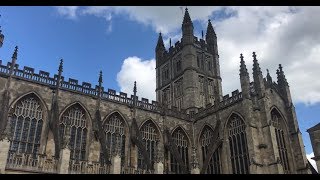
(120, 41)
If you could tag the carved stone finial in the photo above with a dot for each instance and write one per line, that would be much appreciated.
(15, 54)
(135, 88)
(100, 78)
(60, 66)
(254, 56)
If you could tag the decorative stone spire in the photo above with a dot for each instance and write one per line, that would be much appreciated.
(257, 77)
(243, 67)
(135, 93)
(187, 29)
(60, 70)
(160, 44)
(1, 38)
(100, 79)
(186, 18)
(244, 78)
(269, 78)
(256, 68)
(14, 60)
(210, 31)
(281, 77)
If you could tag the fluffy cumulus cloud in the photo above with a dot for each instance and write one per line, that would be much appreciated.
(142, 71)
(286, 35)
(312, 162)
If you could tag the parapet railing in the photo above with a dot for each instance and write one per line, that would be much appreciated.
(43, 77)
(133, 170)
(30, 162)
(85, 167)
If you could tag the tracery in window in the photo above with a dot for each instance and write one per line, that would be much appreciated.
(206, 138)
(180, 139)
(178, 92)
(201, 90)
(26, 125)
(278, 124)
(166, 95)
(210, 91)
(75, 118)
(150, 138)
(239, 154)
(114, 127)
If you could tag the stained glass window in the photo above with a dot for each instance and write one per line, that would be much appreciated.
(150, 137)
(278, 124)
(76, 119)
(214, 166)
(181, 141)
(26, 126)
(238, 145)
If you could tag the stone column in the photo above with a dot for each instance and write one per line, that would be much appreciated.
(116, 159)
(116, 164)
(4, 149)
(158, 166)
(195, 164)
(64, 161)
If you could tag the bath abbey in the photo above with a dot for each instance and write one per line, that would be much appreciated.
(50, 124)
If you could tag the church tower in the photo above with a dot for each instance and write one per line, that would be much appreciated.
(188, 73)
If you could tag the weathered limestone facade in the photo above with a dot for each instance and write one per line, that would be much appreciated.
(53, 125)
(314, 133)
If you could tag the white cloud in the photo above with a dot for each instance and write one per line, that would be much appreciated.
(312, 162)
(69, 12)
(286, 35)
(142, 71)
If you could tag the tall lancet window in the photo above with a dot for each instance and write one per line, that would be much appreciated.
(278, 124)
(181, 141)
(114, 127)
(214, 166)
(26, 125)
(150, 137)
(239, 155)
(75, 119)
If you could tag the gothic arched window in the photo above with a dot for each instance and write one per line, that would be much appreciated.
(239, 154)
(182, 143)
(206, 138)
(150, 137)
(278, 124)
(114, 127)
(74, 117)
(26, 126)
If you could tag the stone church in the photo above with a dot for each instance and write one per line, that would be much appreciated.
(50, 124)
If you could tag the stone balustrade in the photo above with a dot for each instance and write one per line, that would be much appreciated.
(31, 162)
(85, 167)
